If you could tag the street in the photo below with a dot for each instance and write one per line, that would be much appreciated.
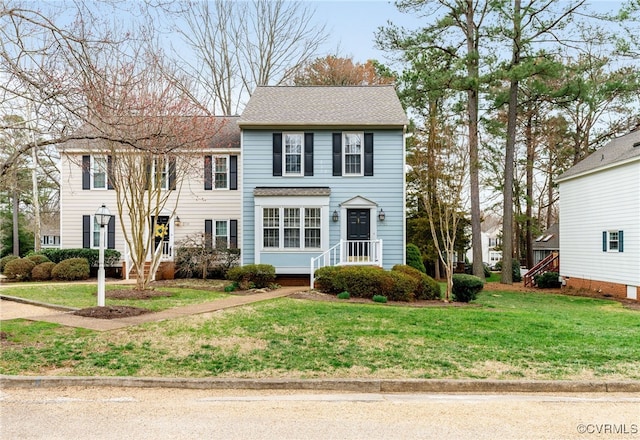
(140, 413)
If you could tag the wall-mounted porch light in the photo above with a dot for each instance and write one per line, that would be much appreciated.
(177, 221)
(335, 217)
(381, 215)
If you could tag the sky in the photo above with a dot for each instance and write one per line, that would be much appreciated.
(352, 24)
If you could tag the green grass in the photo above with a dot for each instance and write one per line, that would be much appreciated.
(85, 295)
(503, 335)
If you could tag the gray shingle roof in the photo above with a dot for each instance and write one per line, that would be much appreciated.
(330, 106)
(616, 151)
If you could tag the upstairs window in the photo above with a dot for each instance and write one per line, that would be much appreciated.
(220, 172)
(160, 174)
(353, 154)
(293, 154)
(99, 172)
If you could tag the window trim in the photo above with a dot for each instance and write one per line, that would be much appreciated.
(92, 173)
(301, 228)
(301, 154)
(214, 173)
(607, 241)
(344, 153)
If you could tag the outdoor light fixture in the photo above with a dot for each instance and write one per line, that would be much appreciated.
(177, 221)
(335, 216)
(381, 215)
(103, 215)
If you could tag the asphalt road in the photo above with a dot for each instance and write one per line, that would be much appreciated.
(134, 413)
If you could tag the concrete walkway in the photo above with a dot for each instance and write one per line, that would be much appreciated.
(43, 312)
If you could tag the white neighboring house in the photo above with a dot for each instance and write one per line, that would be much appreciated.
(490, 230)
(600, 220)
(209, 201)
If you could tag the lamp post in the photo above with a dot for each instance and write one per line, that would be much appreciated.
(103, 215)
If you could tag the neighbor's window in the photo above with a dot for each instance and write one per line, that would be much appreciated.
(222, 234)
(160, 174)
(293, 154)
(99, 172)
(96, 233)
(220, 172)
(353, 151)
(614, 240)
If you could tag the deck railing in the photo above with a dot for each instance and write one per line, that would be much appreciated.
(551, 263)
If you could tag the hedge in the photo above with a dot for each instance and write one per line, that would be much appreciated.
(111, 256)
(71, 270)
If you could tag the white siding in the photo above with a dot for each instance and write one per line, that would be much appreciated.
(603, 201)
(193, 204)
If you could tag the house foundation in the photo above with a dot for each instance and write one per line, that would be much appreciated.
(604, 287)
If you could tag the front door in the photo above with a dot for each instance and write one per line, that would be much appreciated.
(358, 234)
(161, 233)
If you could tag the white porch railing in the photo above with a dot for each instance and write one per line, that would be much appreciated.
(349, 252)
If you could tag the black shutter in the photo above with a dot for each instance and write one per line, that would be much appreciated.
(604, 241)
(233, 234)
(111, 233)
(208, 234)
(233, 172)
(337, 154)
(208, 177)
(368, 154)
(86, 231)
(86, 172)
(620, 241)
(147, 166)
(277, 154)
(308, 154)
(109, 172)
(172, 173)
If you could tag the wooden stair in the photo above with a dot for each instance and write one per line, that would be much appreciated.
(551, 263)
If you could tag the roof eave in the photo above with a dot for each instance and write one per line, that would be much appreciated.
(561, 179)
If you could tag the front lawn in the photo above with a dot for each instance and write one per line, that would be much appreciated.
(504, 335)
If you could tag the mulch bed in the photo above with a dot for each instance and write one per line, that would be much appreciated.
(111, 312)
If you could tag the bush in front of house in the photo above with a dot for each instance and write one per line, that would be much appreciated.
(38, 258)
(42, 271)
(414, 258)
(19, 269)
(72, 269)
(4, 260)
(253, 275)
(364, 281)
(427, 288)
(111, 256)
(547, 280)
(403, 288)
(466, 287)
(327, 281)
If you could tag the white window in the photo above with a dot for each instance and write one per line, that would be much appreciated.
(99, 172)
(353, 152)
(160, 174)
(271, 227)
(614, 241)
(96, 233)
(221, 172)
(221, 239)
(300, 228)
(293, 147)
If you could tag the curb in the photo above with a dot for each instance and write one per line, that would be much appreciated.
(349, 385)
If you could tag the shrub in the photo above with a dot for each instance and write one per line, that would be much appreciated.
(344, 295)
(253, 275)
(42, 271)
(38, 258)
(427, 288)
(111, 256)
(403, 288)
(379, 298)
(466, 287)
(4, 260)
(547, 280)
(326, 279)
(515, 270)
(19, 269)
(414, 258)
(363, 281)
(71, 270)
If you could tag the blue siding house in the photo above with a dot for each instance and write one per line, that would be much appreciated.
(323, 179)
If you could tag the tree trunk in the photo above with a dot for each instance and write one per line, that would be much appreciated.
(529, 209)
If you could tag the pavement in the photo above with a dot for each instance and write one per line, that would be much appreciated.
(14, 308)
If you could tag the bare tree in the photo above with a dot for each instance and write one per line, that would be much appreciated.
(241, 45)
